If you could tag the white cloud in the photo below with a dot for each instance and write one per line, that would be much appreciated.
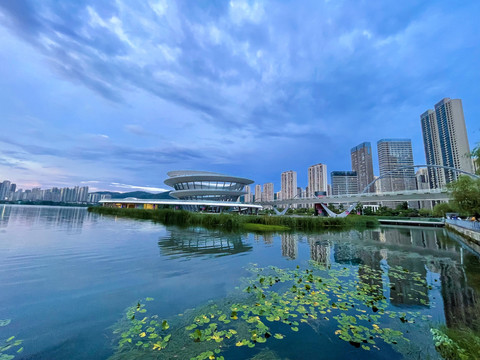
(160, 7)
(241, 11)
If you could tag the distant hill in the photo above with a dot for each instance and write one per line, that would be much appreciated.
(136, 194)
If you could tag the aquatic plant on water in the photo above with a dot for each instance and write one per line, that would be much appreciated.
(11, 346)
(276, 302)
(456, 344)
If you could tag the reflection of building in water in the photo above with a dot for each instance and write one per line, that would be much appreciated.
(347, 253)
(460, 301)
(289, 245)
(201, 242)
(69, 218)
(4, 215)
(268, 238)
(406, 290)
(372, 260)
(320, 251)
(432, 239)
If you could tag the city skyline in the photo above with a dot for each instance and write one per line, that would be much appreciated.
(113, 95)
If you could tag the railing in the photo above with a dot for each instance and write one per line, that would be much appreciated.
(472, 225)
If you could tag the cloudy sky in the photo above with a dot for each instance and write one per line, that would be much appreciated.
(114, 94)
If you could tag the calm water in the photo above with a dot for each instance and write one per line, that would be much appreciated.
(67, 276)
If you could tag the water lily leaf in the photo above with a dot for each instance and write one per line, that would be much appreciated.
(5, 322)
(165, 325)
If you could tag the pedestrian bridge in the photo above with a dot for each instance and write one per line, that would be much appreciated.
(405, 195)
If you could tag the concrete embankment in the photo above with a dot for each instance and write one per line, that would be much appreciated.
(461, 228)
(412, 222)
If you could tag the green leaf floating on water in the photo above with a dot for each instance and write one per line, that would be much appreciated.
(299, 298)
(5, 322)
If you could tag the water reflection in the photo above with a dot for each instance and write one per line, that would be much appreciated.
(68, 218)
(201, 242)
(431, 253)
(289, 245)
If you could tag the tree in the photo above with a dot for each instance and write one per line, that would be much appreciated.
(402, 206)
(465, 193)
(441, 209)
(476, 158)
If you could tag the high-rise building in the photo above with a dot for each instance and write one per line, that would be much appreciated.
(278, 195)
(258, 193)
(445, 141)
(317, 179)
(5, 190)
(268, 194)
(362, 164)
(248, 194)
(289, 184)
(392, 155)
(423, 183)
(344, 182)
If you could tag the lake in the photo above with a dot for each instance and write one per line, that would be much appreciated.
(74, 284)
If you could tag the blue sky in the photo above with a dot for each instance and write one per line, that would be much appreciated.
(114, 94)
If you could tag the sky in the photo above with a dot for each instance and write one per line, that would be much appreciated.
(114, 94)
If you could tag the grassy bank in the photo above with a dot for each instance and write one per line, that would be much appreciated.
(239, 222)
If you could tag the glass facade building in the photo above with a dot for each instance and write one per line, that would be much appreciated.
(392, 155)
(344, 182)
(203, 185)
(445, 141)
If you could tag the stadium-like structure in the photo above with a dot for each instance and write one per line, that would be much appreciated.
(203, 185)
(196, 191)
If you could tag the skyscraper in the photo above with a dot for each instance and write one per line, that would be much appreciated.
(268, 192)
(289, 184)
(258, 193)
(362, 164)
(394, 154)
(344, 182)
(248, 194)
(445, 141)
(317, 179)
(5, 190)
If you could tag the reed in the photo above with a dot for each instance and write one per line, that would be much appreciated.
(237, 222)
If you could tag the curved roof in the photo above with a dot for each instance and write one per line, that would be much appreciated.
(189, 175)
(176, 173)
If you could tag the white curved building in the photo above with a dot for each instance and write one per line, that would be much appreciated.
(196, 191)
(204, 185)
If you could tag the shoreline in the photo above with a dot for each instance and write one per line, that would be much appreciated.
(240, 222)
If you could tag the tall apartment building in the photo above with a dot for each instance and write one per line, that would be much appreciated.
(268, 194)
(5, 187)
(423, 183)
(344, 182)
(289, 184)
(258, 193)
(248, 194)
(317, 179)
(394, 154)
(362, 164)
(445, 141)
